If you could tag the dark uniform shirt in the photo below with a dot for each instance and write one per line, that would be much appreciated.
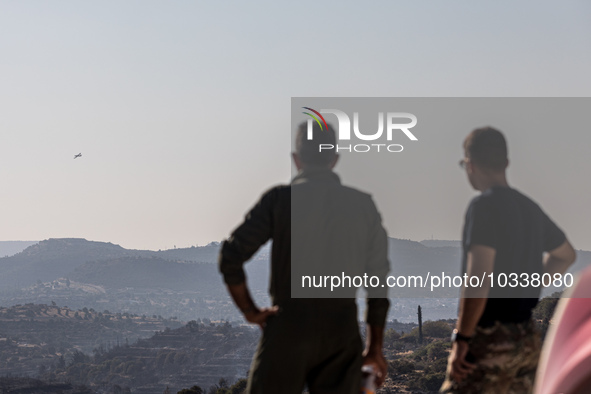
(520, 232)
(341, 222)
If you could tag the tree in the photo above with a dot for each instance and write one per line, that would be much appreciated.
(437, 329)
(61, 362)
(402, 366)
(192, 390)
(390, 336)
(435, 350)
(78, 357)
(239, 387)
(434, 329)
(223, 383)
(420, 325)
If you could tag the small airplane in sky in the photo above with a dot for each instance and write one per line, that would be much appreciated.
(78, 155)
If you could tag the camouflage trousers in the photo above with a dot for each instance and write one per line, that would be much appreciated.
(506, 357)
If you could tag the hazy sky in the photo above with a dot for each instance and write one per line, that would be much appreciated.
(181, 109)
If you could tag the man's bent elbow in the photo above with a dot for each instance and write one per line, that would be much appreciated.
(568, 253)
(563, 256)
(573, 255)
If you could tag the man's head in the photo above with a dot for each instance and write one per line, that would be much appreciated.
(485, 158)
(307, 153)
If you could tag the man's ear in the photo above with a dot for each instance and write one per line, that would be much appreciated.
(296, 160)
(470, 167)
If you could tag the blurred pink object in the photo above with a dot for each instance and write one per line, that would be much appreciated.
(565, 364)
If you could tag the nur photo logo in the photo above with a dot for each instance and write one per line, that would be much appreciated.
(393, 123)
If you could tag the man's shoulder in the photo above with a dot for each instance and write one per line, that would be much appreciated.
(336, 189)
(485, 200)
(285, 189)
(275, 194)
(501, 196)
(355, 192)
(277, 189)
(505, 204)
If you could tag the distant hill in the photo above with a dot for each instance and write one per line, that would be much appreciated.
(80, 273)
(437, 242)
(53, 258)
(148, 272)
(410, 257)
(186, 283)
(201, 254)
(9, 248)
(112, 266)
(58, 257)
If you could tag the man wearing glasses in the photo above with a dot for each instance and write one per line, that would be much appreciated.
(495, 345)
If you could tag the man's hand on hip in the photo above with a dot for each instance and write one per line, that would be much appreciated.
(376, 359)
(259, 315)
(243, 300)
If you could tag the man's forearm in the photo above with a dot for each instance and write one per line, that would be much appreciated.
(480, 260)
(558, 260)
(374, 338)
(555, 266)
(375, 318)
(471, 310)
(242, 298)
(472, 304)
(372, 355)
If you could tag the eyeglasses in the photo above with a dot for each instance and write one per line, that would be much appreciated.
(463, 163)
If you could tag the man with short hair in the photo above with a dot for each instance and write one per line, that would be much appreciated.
(313, 222)
(496, 345)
